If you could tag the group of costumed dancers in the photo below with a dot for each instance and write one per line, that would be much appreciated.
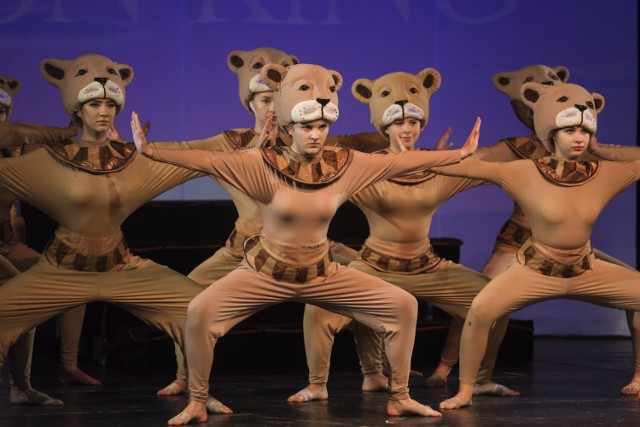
(287, 177)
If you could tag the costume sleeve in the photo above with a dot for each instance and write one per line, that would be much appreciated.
(616, 152)
(215, 143)
(18, 133)
(367, 142)
(367, 169)
(473, 168)
(242, 169)
(498, 152)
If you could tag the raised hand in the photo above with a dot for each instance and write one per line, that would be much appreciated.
(139, 137)
(443, 143)
(395, 142)
(266, 130)
(471, 144)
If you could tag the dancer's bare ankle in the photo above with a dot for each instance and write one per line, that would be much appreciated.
(375, 382)
(410, 407)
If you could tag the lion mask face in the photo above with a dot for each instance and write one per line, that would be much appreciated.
(396, 96)
(87, 77)
(8, 88)
(247, 65)
(561, 106)
(303, 92)
(510, 83)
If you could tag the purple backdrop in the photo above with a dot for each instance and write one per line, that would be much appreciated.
(178, 51)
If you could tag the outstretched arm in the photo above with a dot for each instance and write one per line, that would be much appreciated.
(18, 133)
(613, 152)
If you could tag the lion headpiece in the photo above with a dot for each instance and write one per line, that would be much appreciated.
(396, 96)
(87, 77)
(303, 92)
(561, 106)
(247, 65)
(8, 88)
(510, 82)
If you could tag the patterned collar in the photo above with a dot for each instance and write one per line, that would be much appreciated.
(111, 157)
(321, 171)
(567, 173)
(12, 151)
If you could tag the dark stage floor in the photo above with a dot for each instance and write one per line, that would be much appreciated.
(572, 382)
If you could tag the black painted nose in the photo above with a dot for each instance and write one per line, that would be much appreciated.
(581, 107)
(322, 101)
(102, 80)
(401, 103)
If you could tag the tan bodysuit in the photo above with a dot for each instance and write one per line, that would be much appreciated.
(249, 221)
(399, 216)
(290, 260)
(88, 259)
(561, 224)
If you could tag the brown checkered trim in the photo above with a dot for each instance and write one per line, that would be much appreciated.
(527, 147)
(391, 264)
(268, 266)
(513, 234)
(109, 158)
(236, 240)
(61, 255)
(531, 257)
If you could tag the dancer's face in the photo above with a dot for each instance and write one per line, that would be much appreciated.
(571, 142)
(403, 134)
(3, 113)
(98, 116)
(309, 138)
(263, 108)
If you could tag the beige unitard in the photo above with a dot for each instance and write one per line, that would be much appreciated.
(295, 222)
(398, 251)
(558, 256)
(249, 221)
(88, 259)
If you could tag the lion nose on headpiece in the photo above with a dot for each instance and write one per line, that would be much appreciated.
(580, 107)
(102, 80)
(323, 101)
(401, 103)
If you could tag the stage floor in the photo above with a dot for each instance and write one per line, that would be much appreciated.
(572, 382)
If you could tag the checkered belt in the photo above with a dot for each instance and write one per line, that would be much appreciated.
(533, 258)
(265, 264)
(513, 234)
(392, 264)
(64, 256)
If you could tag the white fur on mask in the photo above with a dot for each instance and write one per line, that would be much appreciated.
(96, 90)
(311, 110)
(5, 98)
(401, 112)
(257, 85)
(572, 116)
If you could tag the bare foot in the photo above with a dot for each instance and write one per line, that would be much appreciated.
(32, 396)
(494, 389)
(456, 402)
(438, 378)
(633, 387)
(71, 374)
(375, 382)
(396, 408)
(214, 406)
(175, 388)
(195, 411)
(310, 393)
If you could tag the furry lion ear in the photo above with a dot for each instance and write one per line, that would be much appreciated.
(125, 72)
(53, 70)
(235, 60)
(431, 79)
(273, 75)
(337, 79)
(14, 85)
(561, 72)
(502, 81)
(361, 90)
(530, 93)
(598, 101)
